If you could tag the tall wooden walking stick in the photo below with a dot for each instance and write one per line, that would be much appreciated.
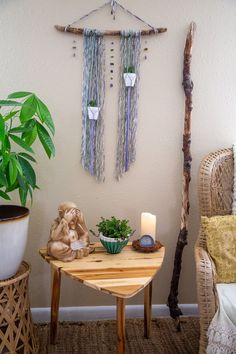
(172, 302)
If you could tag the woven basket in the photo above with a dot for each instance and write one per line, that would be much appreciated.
(16, 327)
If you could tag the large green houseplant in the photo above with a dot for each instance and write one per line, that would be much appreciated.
(24, 118)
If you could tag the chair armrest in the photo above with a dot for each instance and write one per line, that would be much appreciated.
(205, 273)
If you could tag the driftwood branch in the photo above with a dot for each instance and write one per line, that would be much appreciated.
(172, 302)
(108, 32)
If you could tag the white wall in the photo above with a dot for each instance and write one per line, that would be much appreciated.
(35, 57)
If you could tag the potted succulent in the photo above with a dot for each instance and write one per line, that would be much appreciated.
(114, 234)
(93, 110)
(129, 76)
(23, 119)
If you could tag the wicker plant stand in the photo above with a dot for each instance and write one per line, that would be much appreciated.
(16, 327)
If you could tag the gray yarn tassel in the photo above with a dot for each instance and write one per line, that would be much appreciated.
(92, 149)
(130, 45)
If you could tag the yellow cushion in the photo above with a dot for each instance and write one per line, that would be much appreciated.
(220, 234)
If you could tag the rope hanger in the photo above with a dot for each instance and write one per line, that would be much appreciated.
(114, 4)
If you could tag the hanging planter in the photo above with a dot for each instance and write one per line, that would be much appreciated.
(129, 76)
(93, 114)
(129, 79)
(93, 110)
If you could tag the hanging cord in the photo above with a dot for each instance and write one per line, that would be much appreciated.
(88, 14)
(113, 4)
(113, 9)
(135, 16)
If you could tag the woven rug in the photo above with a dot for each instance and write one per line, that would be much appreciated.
(99, 337)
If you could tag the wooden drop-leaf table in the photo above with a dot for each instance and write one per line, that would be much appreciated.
(122, 275)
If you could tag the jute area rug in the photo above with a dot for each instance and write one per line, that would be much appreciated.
(99, 337)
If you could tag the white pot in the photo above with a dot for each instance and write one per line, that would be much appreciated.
(129, 79)
(109, 239)
(93, 112)
(14, 222)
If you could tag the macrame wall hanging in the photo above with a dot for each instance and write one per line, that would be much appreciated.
(130, 45)
(92, 149)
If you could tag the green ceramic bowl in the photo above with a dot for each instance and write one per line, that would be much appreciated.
(112, 245)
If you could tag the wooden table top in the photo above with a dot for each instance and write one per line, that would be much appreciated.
(123, 274)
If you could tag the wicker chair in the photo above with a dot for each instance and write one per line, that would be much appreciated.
(215, 189)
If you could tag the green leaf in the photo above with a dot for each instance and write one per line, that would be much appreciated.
(18, 166)
(12, 171)
(21, 143)
(46, 140)
(29, 125)
(4, 195)
(2, 128)
(3, 180)
(22, 182)
(31, 195)
(31, 136)
(6, 144)
(12, 187)
(10, 103)
(5, 159)
(28, 109)
(23, 189)
(19, 94)
(23, 196)
(20, 129)
(27, 156)
(45, 115)
(28, 171)
(10, 115)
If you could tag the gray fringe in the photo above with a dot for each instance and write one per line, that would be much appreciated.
(130, 45)
(93, 89)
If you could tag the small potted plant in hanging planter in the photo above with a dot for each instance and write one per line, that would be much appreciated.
(129, 76)
(93, 110)
(23, 119)
(114, 234)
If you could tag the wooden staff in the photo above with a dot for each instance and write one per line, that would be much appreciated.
(172, 302)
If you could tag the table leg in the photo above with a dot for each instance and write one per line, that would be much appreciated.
(120, 318)
(147, 310)
(56, 285)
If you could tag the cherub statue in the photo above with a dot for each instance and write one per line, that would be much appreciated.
(69, 234)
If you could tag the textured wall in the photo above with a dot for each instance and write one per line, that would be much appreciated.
(34, 56)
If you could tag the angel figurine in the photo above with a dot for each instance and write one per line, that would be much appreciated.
(69, 237)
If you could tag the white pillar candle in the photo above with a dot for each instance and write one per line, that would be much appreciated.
(148, 225)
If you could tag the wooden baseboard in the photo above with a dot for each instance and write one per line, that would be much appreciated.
(85, 313)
